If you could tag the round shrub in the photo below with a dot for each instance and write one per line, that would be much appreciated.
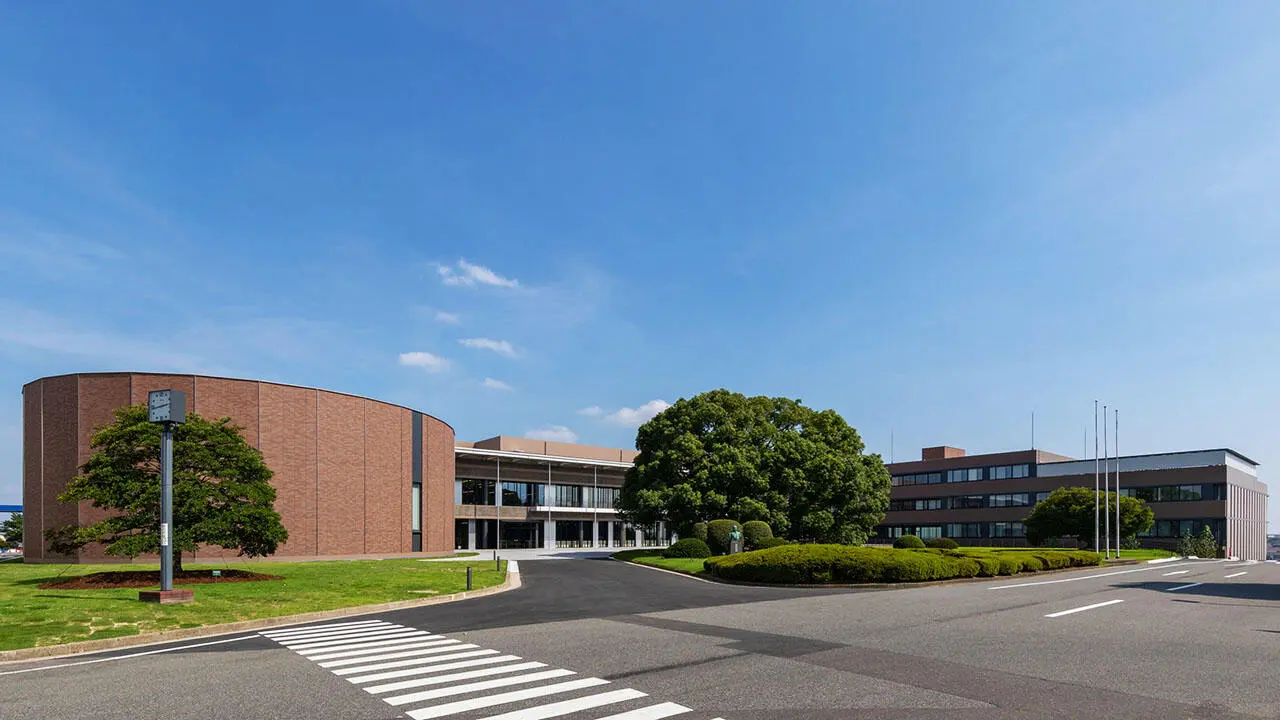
(1010, 565)
(687, 548)
(966, 567)
(718, 535)
(700, 531)
(943, 543)
(772, 542)
(988, 566)
(753, 531)
(908, 541)
(1031, 563)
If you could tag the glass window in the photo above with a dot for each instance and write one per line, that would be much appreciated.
(566, 496)
(928, 532)
(477, 492)
(1189, 492)
(417, 508)
(1021, 471)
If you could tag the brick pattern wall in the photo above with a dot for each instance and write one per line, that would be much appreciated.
(341, 464)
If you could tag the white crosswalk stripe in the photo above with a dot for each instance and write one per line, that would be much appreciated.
(448, 677)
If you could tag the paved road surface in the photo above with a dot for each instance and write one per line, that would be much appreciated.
(591, 639)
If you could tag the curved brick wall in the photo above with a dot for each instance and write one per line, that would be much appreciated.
(343, 464)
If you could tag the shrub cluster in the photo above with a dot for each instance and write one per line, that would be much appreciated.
(690, 547)
(941, 542)
(1203, 545)
(818, 564)
(718, 535)
(770, 542)
(908, 541)
(753, 531)
(700, 531)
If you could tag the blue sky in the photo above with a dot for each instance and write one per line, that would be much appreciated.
(932, 217)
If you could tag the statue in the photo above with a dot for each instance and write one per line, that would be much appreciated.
(735, 540)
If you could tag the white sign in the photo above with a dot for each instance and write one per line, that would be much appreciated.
(164, 534)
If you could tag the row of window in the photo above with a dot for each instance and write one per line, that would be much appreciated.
(970, 502)
(526, 494)
(954, 530)
(996, 472)
(1178, 528)
(1176, 493)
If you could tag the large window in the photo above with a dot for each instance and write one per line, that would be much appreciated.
(1177, 493)
(417, 508)
(965, 475)
(604, 497)
(1009, 500)
(917, 479)
(919, 504)
(522, 494)
(565, 496)
(965, 530)
(1007, 530)
(478, 492)
(969, 502)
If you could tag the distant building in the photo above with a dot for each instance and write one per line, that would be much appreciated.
(982, 499)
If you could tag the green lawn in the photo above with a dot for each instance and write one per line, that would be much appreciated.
(1145, 554)
(689, 566)
(34, 617)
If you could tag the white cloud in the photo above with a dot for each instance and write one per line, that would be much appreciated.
(464, 273)
(424, 360)
(493, 384)
(635, 417)
(502, 347)
(553, 433)
(593, 411)
(447, 318)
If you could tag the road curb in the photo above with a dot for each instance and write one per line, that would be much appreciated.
(47, 652)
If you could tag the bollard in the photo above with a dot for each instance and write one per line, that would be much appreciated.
(468, 577)
(497, 562)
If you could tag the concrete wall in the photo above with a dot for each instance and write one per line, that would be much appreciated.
(341, 463)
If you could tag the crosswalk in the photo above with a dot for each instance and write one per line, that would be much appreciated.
(425, 676)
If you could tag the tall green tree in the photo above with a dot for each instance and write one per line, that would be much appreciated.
(723, 454)
(222, 493)
(1070, 512)
(11, 529)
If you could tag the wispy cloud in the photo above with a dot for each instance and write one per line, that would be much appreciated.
(465, 273)
(593, 411)
(447, 318)
(502, 347)
(553, 433)
(493, 384)
(635, 417)
(424, 360)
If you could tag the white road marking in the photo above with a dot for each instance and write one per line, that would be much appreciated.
(476, 686)
(435, 668)
(451, 677)
(653, 712)
(293, 640)
(362, 627)
(400, 639)
(461, 706)
(384, 635)
(131, 655)
(1074, 579)
(1175, 572)
(416, 654)
(322, 628)
(1183, 587)
(565, 707)
(1236, 574)
(1082, 609)
(388, 653)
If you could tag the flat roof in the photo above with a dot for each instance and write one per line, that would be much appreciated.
(536, 458)
(1165, 454)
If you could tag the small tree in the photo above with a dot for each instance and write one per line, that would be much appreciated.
(222, 493)
(11, 529)
(1070, 512)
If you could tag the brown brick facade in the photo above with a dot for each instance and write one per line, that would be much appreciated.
(342, 464)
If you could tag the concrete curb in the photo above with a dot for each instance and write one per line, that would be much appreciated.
(1157, 561)
(873, 586)
(47, 652)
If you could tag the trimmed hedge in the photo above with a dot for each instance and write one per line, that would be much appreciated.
(700, 531)
(753, 531)
(908, 541)
(770, 542)
(941, 542)
(687, 548)
(819, 564)
(718, 535)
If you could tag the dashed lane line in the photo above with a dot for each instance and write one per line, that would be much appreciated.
(1184, 587)
(1236, 574)
(1072, 611)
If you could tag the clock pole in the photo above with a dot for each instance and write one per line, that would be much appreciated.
(166, 506)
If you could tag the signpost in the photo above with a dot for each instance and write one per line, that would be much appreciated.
(168, 408)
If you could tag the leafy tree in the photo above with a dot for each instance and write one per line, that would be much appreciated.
(1070, 511)
(11, 529)
(1204, 545)
(722, 454)
(222, 493)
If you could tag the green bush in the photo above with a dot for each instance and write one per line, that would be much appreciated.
(943, 543)
(687, 548)
(700, 531)
(966, 567)
(908, 541)
(1010, 565)
(1031, 563)
(770, 542)
(718, 535)
(753, 531)
(988, 566)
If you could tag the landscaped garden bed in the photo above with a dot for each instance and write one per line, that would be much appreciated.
(148, 578)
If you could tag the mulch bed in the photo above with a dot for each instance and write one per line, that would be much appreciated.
(150, 578)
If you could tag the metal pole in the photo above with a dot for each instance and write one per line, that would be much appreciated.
(595, 506)
(1117, 456)
(1106, 485)
(1033, 429)
(468, 577)
(166, 506)
(1097, 541)
(497, 503)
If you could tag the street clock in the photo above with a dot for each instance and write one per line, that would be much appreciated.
(167, 406)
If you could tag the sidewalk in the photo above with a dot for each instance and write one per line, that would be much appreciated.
(541, 554)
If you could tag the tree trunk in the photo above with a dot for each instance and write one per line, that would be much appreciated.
(177, 562)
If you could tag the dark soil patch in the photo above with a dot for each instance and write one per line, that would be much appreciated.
(149, 578)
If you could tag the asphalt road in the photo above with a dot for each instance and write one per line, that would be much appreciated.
(593, 639)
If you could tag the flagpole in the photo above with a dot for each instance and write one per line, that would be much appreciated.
(1097, 519)
(1106, 486)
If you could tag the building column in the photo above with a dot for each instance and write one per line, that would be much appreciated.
(639, 537)
(609, 533)
(471, 534)
(549, 534)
